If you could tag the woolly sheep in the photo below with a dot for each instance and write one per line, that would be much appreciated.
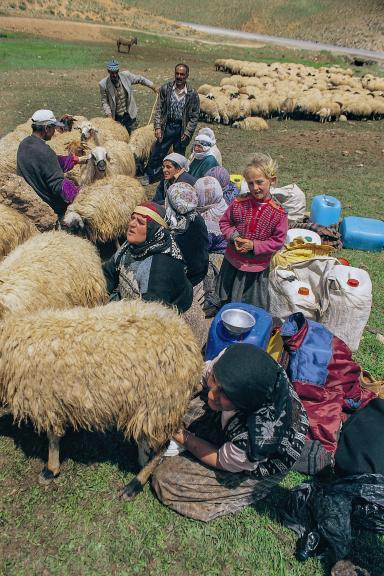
(51, 270)
(113, 159)
(91, 369)
(15, 192)
(252, 123)
(141, 145)
(15, 228)
(108, 129)
(103, 209)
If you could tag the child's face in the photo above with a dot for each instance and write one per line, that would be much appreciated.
(258, 183)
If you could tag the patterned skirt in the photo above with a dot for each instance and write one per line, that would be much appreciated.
(233, 285)
(197, 491)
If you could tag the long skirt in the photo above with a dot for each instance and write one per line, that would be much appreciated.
(195, 317)
(233, 285)
(197, 491)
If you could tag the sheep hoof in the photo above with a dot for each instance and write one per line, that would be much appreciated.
(46, 477)
(131, 490)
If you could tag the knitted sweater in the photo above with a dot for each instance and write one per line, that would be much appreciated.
(265, 223)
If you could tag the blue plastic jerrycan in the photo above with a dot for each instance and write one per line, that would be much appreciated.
(237, 322)
(325, 210)
(362, 233)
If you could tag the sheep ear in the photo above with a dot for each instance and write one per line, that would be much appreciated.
(108, 156)
(77, 128)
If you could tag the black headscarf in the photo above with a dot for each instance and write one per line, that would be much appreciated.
(259, 387)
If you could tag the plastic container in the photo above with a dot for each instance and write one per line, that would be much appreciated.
(220, 337)
(288, 294)
(307, 235)
(237, 179)
(325, 210)
(347, 303)
(362, 233)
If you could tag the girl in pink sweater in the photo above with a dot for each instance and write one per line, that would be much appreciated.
(255, 227)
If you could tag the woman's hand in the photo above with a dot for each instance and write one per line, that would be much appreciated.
(203, 450)
(179, 436)
(243, 245)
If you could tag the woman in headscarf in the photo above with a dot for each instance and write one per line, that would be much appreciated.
(214, 149)
(175, 169)
(230, 190)
(149, 264)
(242, 436)
(189, 229)
(212, 207)
(203, 156)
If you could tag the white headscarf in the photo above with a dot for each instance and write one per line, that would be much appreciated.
(206, 142)
(178, 159)
(213, 151)
(211, 202)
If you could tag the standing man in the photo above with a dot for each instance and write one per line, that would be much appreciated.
(176, 117)
(42, 169)
(117, 95)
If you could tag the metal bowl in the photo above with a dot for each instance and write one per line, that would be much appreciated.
(237, 321)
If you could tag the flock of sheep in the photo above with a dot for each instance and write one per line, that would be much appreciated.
(67, 356)
(257, 90)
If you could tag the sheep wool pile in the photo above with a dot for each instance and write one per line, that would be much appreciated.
(15, 192)
(132, 365)
(103, 209)
(14, 229)
(51, 270)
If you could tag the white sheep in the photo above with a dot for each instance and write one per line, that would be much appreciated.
(102, 210)
(113, 159)
(92, 369)
(141, 144)
(15, 228)
(51, 270)
(251, 123)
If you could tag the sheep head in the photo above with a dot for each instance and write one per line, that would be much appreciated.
(87, 131)
(74, 223)
(96, 166)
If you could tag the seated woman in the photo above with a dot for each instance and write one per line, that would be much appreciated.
(149, 264)
(230, 190)
(240, 441)
(203, 156)
(212, 206)
(189, 229)
(175, 169)
(215, 150)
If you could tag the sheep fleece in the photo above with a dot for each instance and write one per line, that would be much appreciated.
(15, 228)
(132, 365)
(54, 270)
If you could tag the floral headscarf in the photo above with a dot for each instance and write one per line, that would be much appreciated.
(180, 203)
(211, 202)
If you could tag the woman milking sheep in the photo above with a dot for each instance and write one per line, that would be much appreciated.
(241, 437)
(175, 169)
(149, 264)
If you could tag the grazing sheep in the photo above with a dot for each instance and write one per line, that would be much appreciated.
(15, 192)
(15, 228)
(141, 144)
(209, 110)
(128, 42)
(102, 210)
(51, 270)
(251, 123)
(114, 159)
(92, 369)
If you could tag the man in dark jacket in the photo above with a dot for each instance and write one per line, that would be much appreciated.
(176, 118)
(42, 169)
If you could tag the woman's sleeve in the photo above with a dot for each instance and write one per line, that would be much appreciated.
(233, 459)
(275, 241)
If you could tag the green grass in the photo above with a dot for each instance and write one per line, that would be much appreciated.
(79, 527)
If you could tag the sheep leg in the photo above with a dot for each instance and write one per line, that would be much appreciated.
(52, 470)
(136, 485)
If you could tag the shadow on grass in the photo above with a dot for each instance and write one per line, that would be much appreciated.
(80, 446)
(367, 549)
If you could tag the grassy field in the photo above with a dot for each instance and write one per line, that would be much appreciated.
(79, 527)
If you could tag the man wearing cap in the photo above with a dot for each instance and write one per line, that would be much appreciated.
(117, 95)
(42, 169)
(175, 120)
